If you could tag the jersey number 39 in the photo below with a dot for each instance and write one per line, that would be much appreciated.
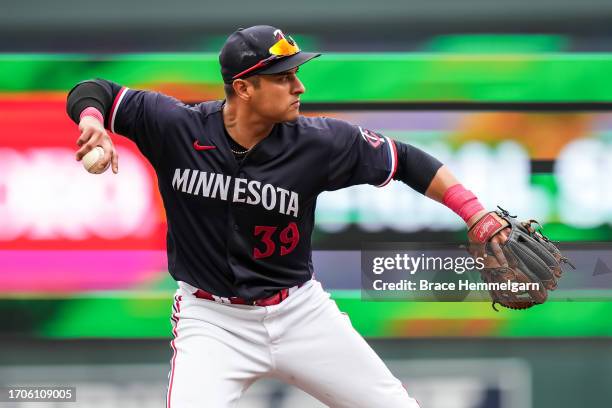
(288, 237)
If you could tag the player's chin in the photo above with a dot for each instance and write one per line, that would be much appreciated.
(293, 113)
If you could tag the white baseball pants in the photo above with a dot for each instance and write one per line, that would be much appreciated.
(221, 349)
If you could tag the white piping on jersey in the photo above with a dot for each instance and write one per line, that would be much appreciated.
(393, 155)
(119, 98)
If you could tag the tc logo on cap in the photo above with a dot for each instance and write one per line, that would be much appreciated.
(278, 35)
(284, 46)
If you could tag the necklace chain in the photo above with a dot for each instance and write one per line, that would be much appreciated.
(244, 152)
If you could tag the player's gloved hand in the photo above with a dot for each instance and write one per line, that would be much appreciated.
(488, 232)
(93, 134)
(521, 255)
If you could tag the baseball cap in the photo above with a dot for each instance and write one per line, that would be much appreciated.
(259, 49)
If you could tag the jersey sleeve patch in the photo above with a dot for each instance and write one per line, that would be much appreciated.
(372, 138)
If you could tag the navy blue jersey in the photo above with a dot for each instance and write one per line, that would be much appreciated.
(243, 228)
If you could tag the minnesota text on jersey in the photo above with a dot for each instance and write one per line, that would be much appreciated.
(215, 185)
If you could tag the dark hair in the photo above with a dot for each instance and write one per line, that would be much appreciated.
(229, 88)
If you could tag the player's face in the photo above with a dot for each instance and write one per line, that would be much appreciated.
(278, 96)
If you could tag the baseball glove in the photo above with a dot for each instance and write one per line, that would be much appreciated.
(531, 258)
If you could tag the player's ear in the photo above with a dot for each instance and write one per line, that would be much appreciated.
(241, 89)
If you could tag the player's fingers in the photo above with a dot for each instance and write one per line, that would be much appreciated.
(89, 133)
(86, 148)
(499, 253)
(85, 136)
(504, 234)
(108, 154)
(500, 238)
(115, 161)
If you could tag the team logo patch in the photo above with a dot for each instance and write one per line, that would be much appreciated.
(372, 138)
(279, 35)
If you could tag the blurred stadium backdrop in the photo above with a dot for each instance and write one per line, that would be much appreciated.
(524, 120)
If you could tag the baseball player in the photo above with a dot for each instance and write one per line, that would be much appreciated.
(239, 180)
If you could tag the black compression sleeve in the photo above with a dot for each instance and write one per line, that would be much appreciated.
(96, 94)
(415, 167)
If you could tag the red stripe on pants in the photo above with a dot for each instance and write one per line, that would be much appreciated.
(175, 333)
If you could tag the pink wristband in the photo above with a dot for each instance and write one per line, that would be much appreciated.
(462, 201)
(94, 113)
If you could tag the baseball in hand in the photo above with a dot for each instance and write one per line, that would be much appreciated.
(91, 161)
